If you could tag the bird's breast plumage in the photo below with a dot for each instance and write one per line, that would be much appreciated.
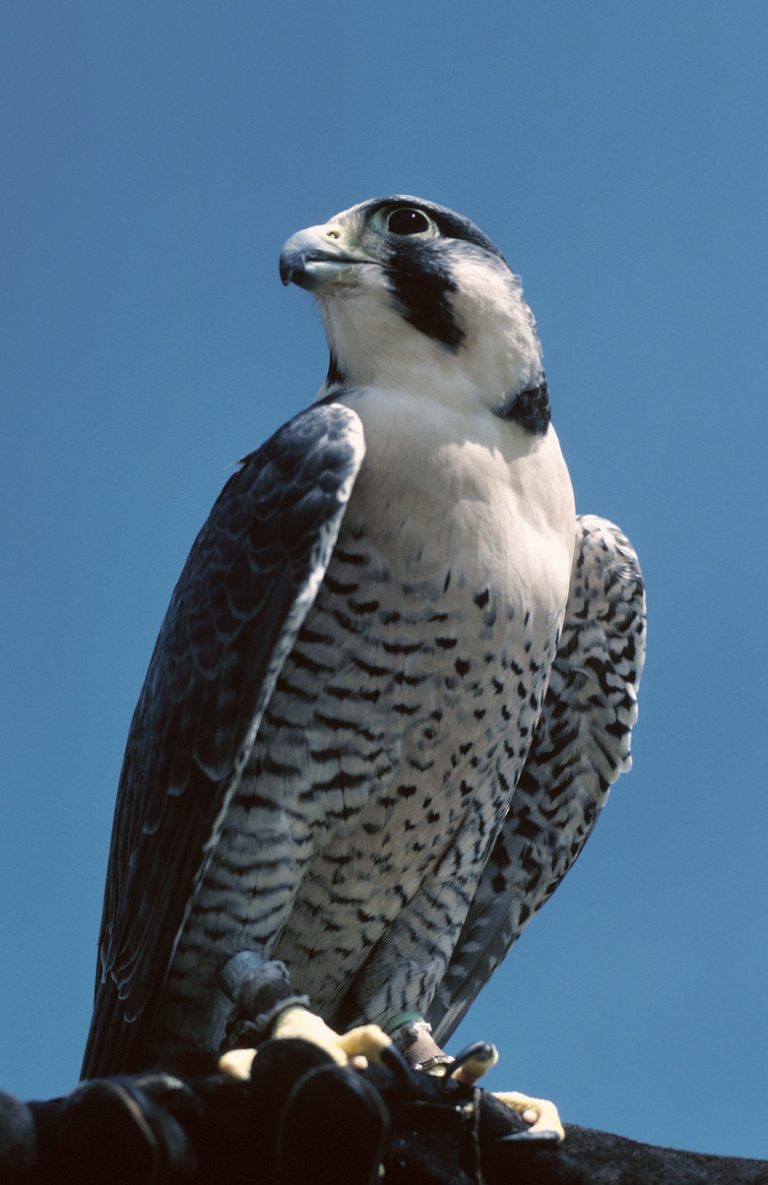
(400, 721)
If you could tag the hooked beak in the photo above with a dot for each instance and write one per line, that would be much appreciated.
(314, 257)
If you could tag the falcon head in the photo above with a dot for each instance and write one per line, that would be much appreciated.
(414, 296)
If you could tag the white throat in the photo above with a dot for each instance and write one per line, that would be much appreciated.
(375, 346)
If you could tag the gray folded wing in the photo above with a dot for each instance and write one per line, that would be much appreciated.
(250, 579)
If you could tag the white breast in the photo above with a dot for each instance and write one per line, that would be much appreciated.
(465, 490)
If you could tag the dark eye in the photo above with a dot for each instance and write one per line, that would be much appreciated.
(407, 222)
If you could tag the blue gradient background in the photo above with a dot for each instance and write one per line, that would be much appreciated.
(155, 156)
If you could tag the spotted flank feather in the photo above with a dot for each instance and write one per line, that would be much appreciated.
(581, 746)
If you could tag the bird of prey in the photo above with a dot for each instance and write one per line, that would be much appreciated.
(396, 679)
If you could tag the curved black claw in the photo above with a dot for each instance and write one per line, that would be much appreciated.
(480, 1055)
(545, 1139)
(472, 1063)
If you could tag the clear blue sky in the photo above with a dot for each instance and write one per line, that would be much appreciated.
(155, 156)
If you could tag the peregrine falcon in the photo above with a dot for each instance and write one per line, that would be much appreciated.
(396, 679)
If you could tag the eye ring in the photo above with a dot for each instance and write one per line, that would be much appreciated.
(407, 220)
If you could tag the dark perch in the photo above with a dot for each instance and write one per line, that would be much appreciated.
(302, 1120)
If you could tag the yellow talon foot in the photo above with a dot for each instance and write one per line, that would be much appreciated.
(541, 1114)
(354, 1048)
(365, 1042)
(475, 1061)
(237, 1063)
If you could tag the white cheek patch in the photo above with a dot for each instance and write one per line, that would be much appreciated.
(375, 344)
(502, 348)
(482, 285)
